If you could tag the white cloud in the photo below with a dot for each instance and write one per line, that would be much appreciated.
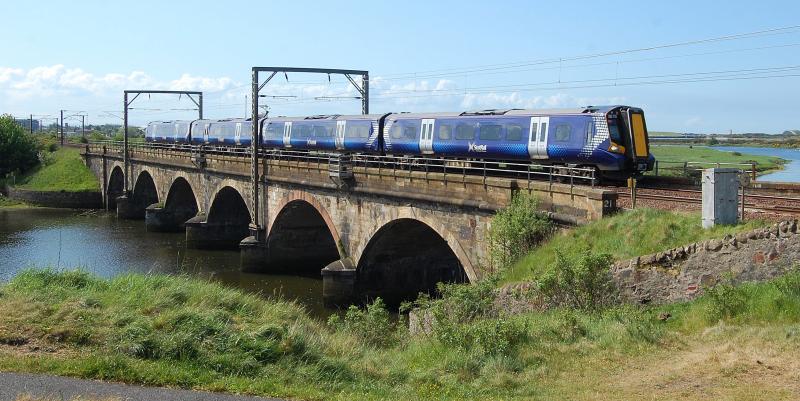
(57, 79)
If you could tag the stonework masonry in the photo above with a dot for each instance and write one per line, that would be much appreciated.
(683, 273)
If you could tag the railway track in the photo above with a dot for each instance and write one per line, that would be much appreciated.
(756, 205)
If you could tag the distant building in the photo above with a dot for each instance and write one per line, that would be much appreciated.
(26, 123)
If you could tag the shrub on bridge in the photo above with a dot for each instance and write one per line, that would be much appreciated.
(516, 230)
(18, 150)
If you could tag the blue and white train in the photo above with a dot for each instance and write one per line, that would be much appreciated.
(611, 139)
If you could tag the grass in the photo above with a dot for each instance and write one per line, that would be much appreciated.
(6, 203)
(64, 172)
(671, 158)
(176, 331)
(625, 235)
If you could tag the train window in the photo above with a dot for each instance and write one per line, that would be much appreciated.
(513, 132)
(613, 130)
(410, 132)
(396, 131)
(321, 131)
(356, 130)
(589, 131)
(490, 132)
(543, 132)
(273, 131)
(445, 132)
(563, 133)
(465, 131)
(301, 131)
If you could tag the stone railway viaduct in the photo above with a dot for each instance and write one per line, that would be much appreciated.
(385, 232)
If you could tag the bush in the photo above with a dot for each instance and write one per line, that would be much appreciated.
(373, 324)
(516, 230)
(18, 150)
(464, 318)
(789, 284)
(584, 282)
(725, 301)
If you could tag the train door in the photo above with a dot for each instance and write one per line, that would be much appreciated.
(287, 134)
(426, 137)
(205, 133)
(339, 140)
(238, 135)
(537, 137)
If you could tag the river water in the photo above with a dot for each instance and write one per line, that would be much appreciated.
(100, 243)
(791, 170)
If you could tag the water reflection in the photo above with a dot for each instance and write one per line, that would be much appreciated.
(100, 243)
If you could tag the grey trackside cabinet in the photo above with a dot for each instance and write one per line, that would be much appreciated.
(720, 200)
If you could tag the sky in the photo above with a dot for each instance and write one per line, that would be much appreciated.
(693, 66)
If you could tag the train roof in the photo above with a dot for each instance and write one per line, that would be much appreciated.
(511, 112)
(328, 117)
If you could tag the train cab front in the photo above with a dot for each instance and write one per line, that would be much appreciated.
(628, 136)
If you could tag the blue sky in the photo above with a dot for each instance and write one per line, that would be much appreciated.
(422, 56)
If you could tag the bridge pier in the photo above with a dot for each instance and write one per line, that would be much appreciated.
(162, 219)
(339, 284)
(253, 255)
(201, 234)
(129, 209)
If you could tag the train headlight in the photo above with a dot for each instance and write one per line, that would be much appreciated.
(614, 148)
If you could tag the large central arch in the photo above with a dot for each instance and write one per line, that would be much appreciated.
(300, 240)
(406, 257)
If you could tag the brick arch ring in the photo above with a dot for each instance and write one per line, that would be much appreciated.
(451, 240)
(305, 196)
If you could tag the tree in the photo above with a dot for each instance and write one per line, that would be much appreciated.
(18, 150)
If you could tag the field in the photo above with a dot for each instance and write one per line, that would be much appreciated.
(63, 171)
(741, 345)
(672, 157)
(625, 235)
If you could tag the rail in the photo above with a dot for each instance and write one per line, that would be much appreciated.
(686, 168)
(383, 165)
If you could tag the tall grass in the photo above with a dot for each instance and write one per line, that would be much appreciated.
(190, 333)
(622, 236)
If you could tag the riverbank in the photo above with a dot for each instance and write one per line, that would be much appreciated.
(740, 343)
(62, 181)
(671, 159)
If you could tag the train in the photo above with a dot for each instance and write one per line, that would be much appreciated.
(612, 140)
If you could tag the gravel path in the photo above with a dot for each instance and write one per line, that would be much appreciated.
(14, 385)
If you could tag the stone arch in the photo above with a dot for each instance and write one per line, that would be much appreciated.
(410, 213)
(302, 238)
(179, 206)
(407, 256)
(312, 200)
(181, 194)
(145, 193)
(220, 184)
(115, 187)
(228, 220)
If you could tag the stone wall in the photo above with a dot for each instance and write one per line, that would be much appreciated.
(58, 199)
(682, 273)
